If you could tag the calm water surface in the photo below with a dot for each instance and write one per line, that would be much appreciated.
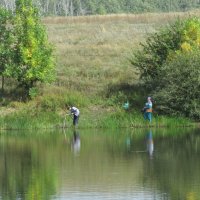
(101, 164)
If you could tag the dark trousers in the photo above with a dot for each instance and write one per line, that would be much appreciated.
(148, 116)
(75, 120)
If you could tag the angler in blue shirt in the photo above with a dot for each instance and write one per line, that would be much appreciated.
(148, 110)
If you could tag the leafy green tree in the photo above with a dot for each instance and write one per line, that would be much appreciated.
(159, 47)
(178, 91)
(33, 59)
(6, 42)
(156, 49)
(101, 10)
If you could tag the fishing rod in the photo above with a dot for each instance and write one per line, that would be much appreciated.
(65, 119)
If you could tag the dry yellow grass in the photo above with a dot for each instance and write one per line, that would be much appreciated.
(93, 51)
(131, 18)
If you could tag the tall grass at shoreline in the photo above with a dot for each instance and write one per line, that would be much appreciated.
(118, 119)
(24, 121)
(136, 120)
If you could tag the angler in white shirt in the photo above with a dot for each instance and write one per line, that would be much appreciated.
(75, 111)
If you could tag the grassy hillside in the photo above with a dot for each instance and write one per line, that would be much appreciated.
(93, 69)
(92, 52)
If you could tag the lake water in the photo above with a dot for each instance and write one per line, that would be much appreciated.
(121, 164)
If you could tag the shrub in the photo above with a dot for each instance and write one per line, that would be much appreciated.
(178, 92)
(33, 92)
(164, 45)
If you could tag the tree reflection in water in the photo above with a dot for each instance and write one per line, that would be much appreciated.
(43, 166)
(25, 173)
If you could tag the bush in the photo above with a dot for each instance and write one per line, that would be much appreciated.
(164, 45)
(178, 92)
(33, 92)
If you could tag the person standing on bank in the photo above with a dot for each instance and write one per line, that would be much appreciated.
(148, 110)
(75, 112)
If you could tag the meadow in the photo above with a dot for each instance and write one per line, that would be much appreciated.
(94, 72)
(92, 52)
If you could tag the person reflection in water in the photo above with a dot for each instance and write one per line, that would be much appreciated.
(76, 142)
(150, 145)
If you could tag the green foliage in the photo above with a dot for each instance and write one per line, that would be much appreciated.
(179, 86)
(170, 69)
(156, 50)
(101, 10)
(33, 59)
(33, 92)
(117, 99)
(191, 35)
(6, 40)
(164, 45)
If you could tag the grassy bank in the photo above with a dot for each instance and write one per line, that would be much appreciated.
(93, 73)
(48, 120)
(91, 117)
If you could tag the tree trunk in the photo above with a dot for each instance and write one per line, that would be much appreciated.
(2, 84)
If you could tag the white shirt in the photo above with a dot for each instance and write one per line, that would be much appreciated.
(75, 111)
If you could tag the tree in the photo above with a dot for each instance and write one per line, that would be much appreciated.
(178, 91)
(6, 42)
(33, 61)
(85, 7)
(156, 49)
(164, 45)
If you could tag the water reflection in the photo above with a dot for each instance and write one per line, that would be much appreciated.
(24, 170)
(128, 143)
(76, 142)
(43, 166)
(150, 144)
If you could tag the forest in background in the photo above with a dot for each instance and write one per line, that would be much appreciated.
(93, 7)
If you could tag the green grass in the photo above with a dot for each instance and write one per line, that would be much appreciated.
(118, 119)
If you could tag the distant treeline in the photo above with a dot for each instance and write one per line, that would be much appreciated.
(92, 7)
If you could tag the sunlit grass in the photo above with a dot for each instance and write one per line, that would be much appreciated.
(118, 119)
(93, 51)
(136, 18)
(95, 54)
